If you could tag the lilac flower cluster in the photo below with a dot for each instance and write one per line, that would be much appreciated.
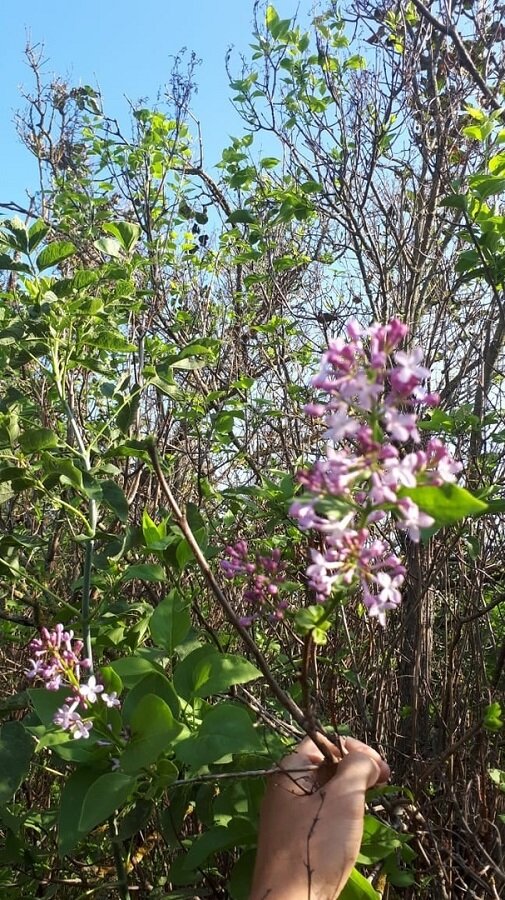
(57, 663)
(263, 573)
(374, 390)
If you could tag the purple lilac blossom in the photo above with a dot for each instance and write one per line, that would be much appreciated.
(375, 390)
(57, 663)
(262, 575)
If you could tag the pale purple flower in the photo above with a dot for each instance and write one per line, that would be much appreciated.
(408, 373)
(354, 329)
(315, 409)
(111, 700)
(439, 458)
(412, 518)
(64, 716)
(89, 692)
(80, 728)
(389, 588)
(263, 574)
(374, 391)
(402, 427)
(37, 669)
(376, 606)
(340, 424)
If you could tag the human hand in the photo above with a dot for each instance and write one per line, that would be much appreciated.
(311, 822)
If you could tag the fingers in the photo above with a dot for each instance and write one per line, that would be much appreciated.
(354, 746)
(360, 769)
(307, 754)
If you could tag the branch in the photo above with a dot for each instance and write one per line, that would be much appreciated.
(464, 56)
(248, 773)
(284, 699)
(18, 620)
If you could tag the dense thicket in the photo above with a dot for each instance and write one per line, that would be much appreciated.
(160, 323)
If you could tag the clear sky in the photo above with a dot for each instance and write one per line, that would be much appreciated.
(123, 47)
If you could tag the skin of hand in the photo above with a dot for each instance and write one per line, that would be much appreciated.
(311, 823)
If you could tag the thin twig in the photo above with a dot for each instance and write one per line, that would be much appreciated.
(284, 699)
(248, 773)
(464, 56)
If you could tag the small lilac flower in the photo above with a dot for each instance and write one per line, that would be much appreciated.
(80, 728)
(412, 519)
(408, 374)
(64, 716)
(401, 426)
(262, 574)
(111, 699)
(89, 692)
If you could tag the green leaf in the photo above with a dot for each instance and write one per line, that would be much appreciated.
(11, 265)
(155, 536)
(18, 237)
(108, 793)
(239, 831)
(114, 341)
(37, 439)
(115, 499)
(495, 506)
(271, 16)
(205, 671)
(241, 217)
(16, 751)
(45, 703)
(127, 233)
(111, 680)
(396, 876)
(129, 448)
(135, 819)
(170, 622)
(165, 387)
(313, 620)
(65, 468)
(74, 791)
(497, 776)
(355, 62)
(378, 841)
(440, 420)
(36, 234)
(447, 504)
(487, 185)
(127, 412)
(225, 730)
(241, 877)
(311, 187)
(152, 683)
(358, 888)
(145, 572)
(110, 247)
(454, 201)
(131, 669)
(153, 731)
(493, 720)
(54, 254)
(474, 132)
(269, 162)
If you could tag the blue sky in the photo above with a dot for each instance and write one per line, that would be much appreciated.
(124, 47)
